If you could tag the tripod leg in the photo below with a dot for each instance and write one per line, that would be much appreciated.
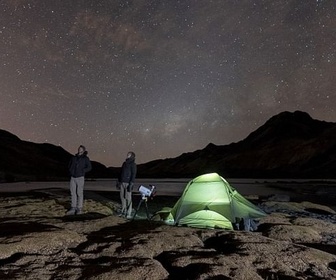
(147, 211)
(136, 211)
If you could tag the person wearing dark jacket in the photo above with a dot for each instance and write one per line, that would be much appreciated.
(126, 183)
(79, 165)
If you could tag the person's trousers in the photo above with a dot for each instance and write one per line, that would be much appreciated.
(77, 192)
(126, 200)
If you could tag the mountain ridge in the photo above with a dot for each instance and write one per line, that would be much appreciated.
(288, 145)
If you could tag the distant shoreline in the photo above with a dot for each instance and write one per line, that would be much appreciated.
(315, 190)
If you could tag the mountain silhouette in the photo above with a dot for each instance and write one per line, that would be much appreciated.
(288, 145)
(23, 160)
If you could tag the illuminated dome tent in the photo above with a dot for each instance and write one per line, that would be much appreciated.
(208, 201)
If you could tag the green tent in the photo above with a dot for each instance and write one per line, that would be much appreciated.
(208, 201)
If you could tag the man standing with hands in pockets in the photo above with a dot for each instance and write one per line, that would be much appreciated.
(78, 166)
(126, 183)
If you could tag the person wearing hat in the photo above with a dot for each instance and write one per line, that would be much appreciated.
(79, 165)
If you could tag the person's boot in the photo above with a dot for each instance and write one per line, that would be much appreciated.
(122, 213)
(79, 211)
(71, 211)
(129, 216)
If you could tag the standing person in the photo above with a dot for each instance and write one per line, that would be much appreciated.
(79, 164)
(126, 183)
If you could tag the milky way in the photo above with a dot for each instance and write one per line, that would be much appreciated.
(161, 77)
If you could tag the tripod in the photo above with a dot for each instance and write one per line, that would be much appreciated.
(143, 199)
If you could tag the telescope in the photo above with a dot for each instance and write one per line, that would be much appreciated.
(146, 192)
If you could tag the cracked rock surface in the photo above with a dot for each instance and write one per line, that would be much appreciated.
(297, 240)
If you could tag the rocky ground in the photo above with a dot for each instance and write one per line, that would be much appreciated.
(297, 240)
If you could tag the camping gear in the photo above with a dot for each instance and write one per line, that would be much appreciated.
(146, 193)
(208, 201)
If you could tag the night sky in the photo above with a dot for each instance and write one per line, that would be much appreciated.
(163, 77)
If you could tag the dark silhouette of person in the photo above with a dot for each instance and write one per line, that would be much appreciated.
(126, 182)
(79, 165)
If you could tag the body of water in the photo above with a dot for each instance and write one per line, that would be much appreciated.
(175, 187)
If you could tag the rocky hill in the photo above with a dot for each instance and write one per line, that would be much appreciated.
(288, 145)
(23, 160)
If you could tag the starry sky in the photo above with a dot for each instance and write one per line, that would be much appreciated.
(161, 78)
